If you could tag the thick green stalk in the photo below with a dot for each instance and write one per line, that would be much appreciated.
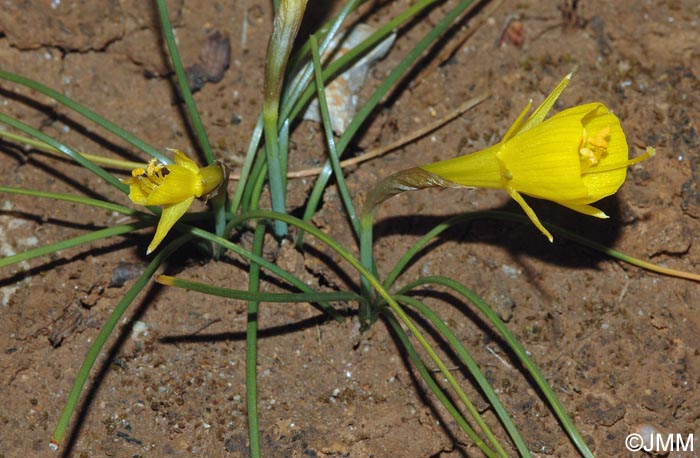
(286, 25)
(406, 180)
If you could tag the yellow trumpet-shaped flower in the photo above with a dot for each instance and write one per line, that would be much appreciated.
(173, 187)
(574, 158)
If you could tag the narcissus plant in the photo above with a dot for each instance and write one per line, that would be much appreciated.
(574, 158)
(173, 187)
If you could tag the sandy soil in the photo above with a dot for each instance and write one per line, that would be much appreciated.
(619, 345)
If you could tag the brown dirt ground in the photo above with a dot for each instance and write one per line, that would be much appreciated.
(619, 345)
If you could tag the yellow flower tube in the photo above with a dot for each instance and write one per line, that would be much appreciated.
(574, 158)
(173, 187)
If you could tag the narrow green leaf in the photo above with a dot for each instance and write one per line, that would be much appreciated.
(89, 114)
(105, 332)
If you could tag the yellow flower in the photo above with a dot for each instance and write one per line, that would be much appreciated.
(174, 187)
(574, 158)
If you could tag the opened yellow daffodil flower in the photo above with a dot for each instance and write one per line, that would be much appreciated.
(574, 158)
(174, 187)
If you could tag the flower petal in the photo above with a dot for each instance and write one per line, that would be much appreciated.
(179, 184)
(541, 112)
(480, 169)
(170, 215)
(607, 182)
(529, 212)
(544, 162)
(181, 158)
(587, 210)
(137, 191)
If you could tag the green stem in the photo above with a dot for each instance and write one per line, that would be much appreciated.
(274, 168)
(367, 310)
(288, 17)
(251, 346)
(405, 180)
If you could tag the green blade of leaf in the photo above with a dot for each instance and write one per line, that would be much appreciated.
(89, 114)
(399, 71)
(75, 241)
(519, 351)
(473, 368)
(77, 157)
(105, 332)
(315, 296)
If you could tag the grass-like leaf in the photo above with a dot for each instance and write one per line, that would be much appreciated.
(330, 142)
(370, 105)
(89, 114)
(473, 368)
(315, 296)
(517, 349)
(428, 377)
(105, 332)
(77, 157)
(381, 291)
(416, 248)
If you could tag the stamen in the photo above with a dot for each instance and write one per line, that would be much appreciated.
(592, 149)
(651, 152)
(151, 167)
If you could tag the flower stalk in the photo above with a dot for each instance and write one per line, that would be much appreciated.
(286, 25)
